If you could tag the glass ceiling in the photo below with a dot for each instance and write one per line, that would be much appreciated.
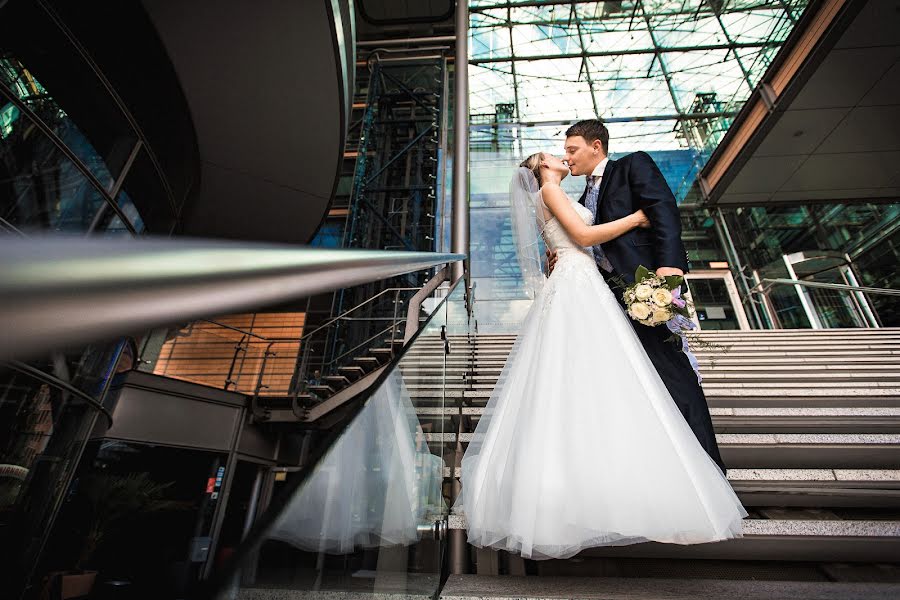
(665, 74)
(668, 76)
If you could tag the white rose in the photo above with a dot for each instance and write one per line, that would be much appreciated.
(643, 291)
(662, 297)
(639, 311)
(661, 315)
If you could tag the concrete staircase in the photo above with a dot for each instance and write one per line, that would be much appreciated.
(807, 421)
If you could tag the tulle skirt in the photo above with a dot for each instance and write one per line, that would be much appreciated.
(373, 487)
(581, 444)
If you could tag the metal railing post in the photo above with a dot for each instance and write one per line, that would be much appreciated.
(460, 233)
(415, 303)
(238, 348)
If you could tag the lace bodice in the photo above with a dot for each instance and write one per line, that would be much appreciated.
(555, 235)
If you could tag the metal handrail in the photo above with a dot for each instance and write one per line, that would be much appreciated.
(59, 291)
(59, 383)
(360, 305)
(340, 317)
(820, 284)
(244, 343)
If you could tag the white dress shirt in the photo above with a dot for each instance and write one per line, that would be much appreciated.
(598, 170)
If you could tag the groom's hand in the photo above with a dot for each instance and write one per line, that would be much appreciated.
(551, 260)
(668, 271)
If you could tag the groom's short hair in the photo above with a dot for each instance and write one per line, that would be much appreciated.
(590, 130)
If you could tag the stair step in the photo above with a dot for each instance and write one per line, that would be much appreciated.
(786, 450)
(710, 377)
(775, 539)
(751, 419)
(890, 356)
(489, 587)
(352, 372)
(834, 388)
(818, 351)
(367, 360)
(810, 488)
(722, 345)
(321, 389)
(858, 477)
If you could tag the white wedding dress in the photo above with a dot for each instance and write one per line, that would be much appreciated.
(581, 444)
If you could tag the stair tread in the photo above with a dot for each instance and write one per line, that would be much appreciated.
(776, 439)
(485, 587)
(809, 476)
(775, 411)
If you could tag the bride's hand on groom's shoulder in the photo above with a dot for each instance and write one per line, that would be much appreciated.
(551, 260)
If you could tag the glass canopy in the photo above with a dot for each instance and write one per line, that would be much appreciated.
(665, 74)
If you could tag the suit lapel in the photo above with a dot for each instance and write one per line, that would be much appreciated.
(604, 184)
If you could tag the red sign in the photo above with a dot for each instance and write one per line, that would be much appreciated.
(210, 485)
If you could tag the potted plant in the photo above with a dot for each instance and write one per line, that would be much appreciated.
(105, 499)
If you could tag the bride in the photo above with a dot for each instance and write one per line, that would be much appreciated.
(581, 444)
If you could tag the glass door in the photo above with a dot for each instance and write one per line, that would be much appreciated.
(716, 300)
(812, 303)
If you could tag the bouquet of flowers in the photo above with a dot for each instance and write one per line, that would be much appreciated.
(652, 300)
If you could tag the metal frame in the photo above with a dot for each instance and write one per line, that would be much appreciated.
(67, 152)
(123, 108)
(858, 293)
(728, 278)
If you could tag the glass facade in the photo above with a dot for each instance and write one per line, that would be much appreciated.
(73, 161)
(866, 236)
(44, 427)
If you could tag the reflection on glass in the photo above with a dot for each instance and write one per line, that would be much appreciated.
(865, 232)
(139, 513)
(43, 429)
(115, 225)
(374, 487)
(42, 67)
(712, 303)
(365, 516)
(40, 188)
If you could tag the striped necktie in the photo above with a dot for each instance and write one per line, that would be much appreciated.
(590, 202)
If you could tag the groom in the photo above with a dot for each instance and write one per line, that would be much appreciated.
(616, 188)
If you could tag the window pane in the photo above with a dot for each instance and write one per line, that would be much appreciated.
(42, 68)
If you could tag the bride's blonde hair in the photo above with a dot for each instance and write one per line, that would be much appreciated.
(533, 163)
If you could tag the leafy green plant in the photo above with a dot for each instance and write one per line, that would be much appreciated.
(110, 498)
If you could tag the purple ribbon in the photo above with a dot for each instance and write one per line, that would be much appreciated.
(679, 325)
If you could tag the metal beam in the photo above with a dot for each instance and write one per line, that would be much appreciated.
(562, 123)
(661, 49)
(437, 39)
(481, 8)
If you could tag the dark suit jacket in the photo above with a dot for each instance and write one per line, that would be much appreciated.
(635, 182)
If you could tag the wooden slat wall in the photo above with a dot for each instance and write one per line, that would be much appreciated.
(203, 352)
